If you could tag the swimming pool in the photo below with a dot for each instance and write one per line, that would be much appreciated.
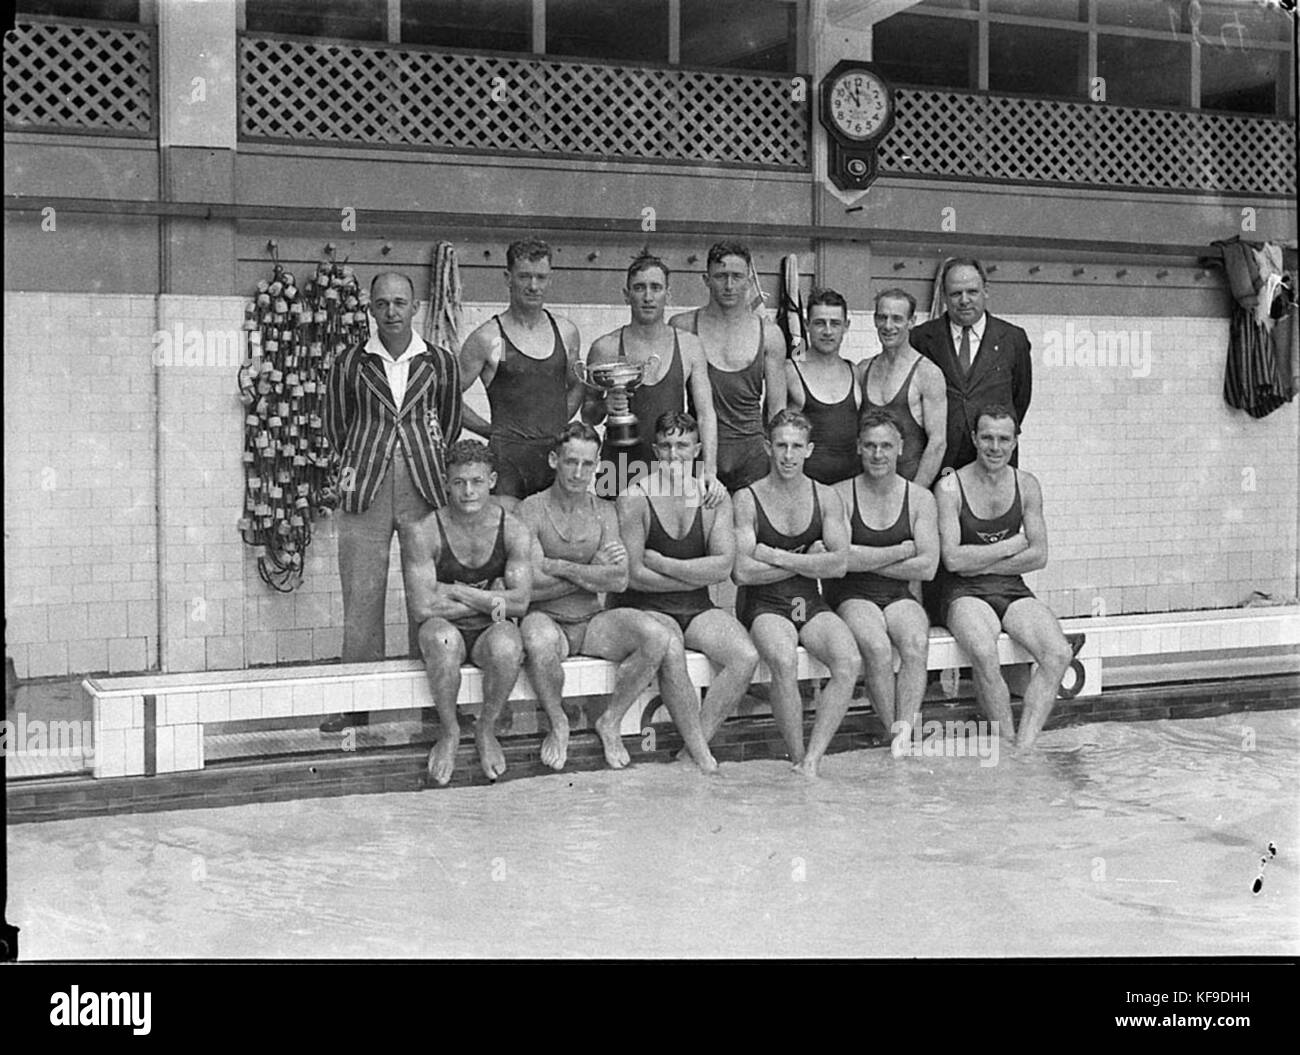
(1140, 838)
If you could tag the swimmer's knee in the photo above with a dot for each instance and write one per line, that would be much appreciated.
(1058, 656)
(656, 640)
(504, 648)
(846, 665)
(913, 647)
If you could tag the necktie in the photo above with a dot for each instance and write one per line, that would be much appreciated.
(964, 353)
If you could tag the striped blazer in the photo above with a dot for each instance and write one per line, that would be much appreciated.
(364, 426)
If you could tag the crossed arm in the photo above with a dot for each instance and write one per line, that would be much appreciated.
(1023, 552)
(652, 571)
(914, 558)
(426, 597)
(555, 577)
(758, 563)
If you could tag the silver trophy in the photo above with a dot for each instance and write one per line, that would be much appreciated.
(614, 381)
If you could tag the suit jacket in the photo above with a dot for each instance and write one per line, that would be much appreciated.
(1001, 373)
(365, 428)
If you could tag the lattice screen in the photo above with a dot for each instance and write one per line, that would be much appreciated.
(76, 76)
(301, 90)
(1000, 138)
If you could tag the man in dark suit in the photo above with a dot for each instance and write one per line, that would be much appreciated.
(984, 359)
(392, 407)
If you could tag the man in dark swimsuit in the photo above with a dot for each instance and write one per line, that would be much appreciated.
(919, 402)
(991, 531)
(746, 363)
(825, 389)
(875, 598)
(676, 549)
(524, 357)
(680, 367)
(778, 563)
(578, 555)
(468, 573)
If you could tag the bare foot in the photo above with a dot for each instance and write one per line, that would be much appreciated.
(615, 753)
(490, 755)
(808, 768)
(708, 764)
(555, 748)
(442, 760)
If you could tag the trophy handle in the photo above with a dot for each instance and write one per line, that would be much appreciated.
(580, 372)
(647, 367)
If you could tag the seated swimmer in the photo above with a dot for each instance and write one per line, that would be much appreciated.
(790, 531)
(468, 575)
(894, 538)
(577, 556)
(991, 531)
(677, 548)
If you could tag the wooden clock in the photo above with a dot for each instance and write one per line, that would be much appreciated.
(857, 111)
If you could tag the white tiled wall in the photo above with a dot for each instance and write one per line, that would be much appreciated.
(1158, 496)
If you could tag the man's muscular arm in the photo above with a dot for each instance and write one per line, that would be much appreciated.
(827, 561)
(479, 356)
(707, 570)
(426, 597)
(697, 377)
(607, 572)
(963, 559)
(633, 523)
(512, 599)
(574, 390)
(775, 376)
(924, 560)
(751, 569)
(934, 419)
(1034, 556)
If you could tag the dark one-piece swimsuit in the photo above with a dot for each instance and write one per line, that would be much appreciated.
(451, 569)
(682, 605)
(997, 591)
(795, 598)
(880, 590)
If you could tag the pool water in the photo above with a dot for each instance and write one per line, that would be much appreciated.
(1140, 838)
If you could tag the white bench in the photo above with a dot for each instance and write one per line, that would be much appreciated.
(153, 723)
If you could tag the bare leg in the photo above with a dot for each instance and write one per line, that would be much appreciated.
(544, 650)
(679, 697)
(776, 639)
(975, 626)
(867, 624)
(499, 653)
(827, 638)
(721, 637)
(443, 650)
(1032, 623)
(909, 629)
(637, 644)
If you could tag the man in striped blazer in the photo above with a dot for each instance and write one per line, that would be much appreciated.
(393, 406)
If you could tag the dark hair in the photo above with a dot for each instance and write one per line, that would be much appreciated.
(676, 421)
(529, 249)
(392, 274)
(827, 298)
(961, 261)
(896, 294)
(874, 419)
(996, 411)
(788, 419)
(471, 452)
(644, 262)
(718, 250)
(575, 430)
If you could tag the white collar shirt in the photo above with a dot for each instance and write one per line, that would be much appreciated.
(396, 370)
(976, 335)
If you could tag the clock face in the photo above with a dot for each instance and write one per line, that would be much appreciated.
(859, 104)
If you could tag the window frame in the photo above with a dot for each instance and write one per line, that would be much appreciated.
(1284, 109)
